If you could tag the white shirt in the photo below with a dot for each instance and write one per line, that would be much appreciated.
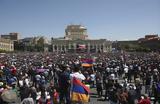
(78, 75)
(92, 77)
(112, 76)
(27, 81)
(126, 69)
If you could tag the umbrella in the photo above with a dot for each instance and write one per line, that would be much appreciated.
(9, 96)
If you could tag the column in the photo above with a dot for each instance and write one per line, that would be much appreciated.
(96, 48)
(66, 47)
(101, 46)
(61, 50)
(107, 48)
(57, 48)
(53, 48)
(110, 48)
(74, 47)
(104, 47)
(69, 46)
(88, 48)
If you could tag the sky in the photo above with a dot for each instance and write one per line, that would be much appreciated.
(108, 19)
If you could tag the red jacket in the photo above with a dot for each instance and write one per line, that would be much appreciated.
(144, 101)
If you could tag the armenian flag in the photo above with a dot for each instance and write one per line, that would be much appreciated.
(87, 62)
(81, 46)
(79, 92)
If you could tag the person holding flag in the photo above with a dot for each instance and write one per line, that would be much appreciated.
(79, 91)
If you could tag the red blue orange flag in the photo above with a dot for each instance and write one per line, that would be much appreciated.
(80, 92)
(87, 62)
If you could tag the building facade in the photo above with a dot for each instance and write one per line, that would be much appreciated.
(6, 45)
(12, 36)
(75, 38)
(148, 38)
(91, 46)
(152, 42)
(74, 32)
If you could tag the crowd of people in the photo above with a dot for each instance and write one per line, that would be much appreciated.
(47, 78)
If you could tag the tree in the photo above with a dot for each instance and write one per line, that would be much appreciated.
(40, 44)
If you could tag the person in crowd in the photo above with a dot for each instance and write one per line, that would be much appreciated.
(33, 93)
(131, 95)
(56, 97)
(99, 86)
(156, 93)
(144, 100)
(138, 89)
(123, 96)
(147, 84)
(92, 78)
(64, 85)
(37, 70)
(79, 76)
(113, 96)
(117, 85)
(27, 101)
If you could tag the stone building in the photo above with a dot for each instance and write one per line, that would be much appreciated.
(151, 42)
(11, 36)
(76, 37)
(148, 38)
(6, 45)
(74, 32)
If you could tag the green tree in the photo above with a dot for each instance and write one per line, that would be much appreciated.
(40, 44)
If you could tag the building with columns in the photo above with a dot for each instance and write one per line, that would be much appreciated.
(76, 37)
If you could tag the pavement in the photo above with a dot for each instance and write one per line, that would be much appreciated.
(94, 99)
